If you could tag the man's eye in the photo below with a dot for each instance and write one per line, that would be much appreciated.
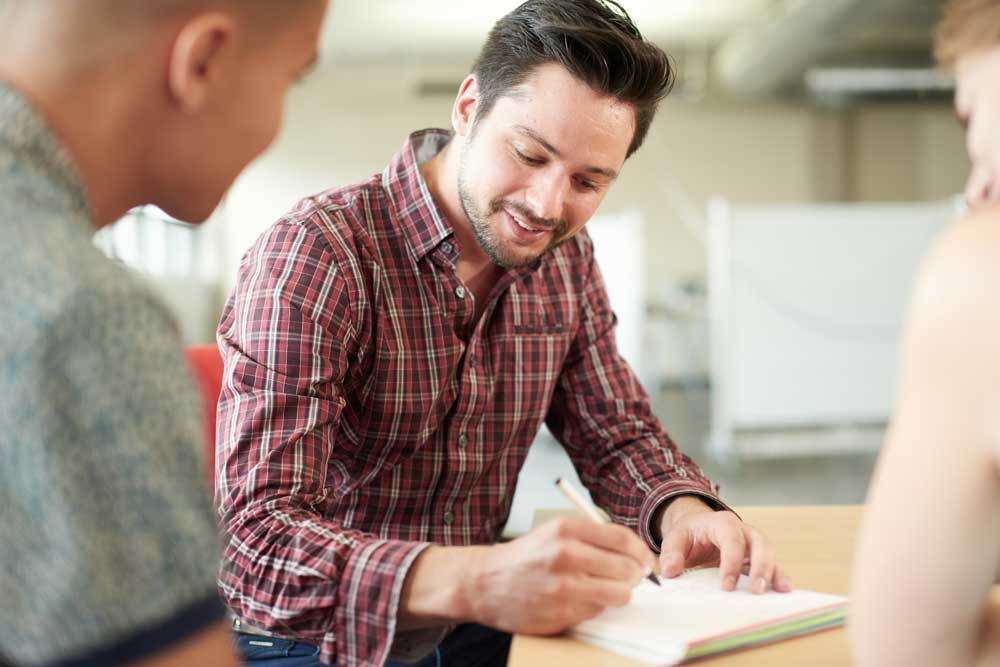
(527, 159)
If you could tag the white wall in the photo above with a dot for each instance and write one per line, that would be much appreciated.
(344, 126)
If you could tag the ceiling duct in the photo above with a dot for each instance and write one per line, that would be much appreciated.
(839, 85)
(773, 54)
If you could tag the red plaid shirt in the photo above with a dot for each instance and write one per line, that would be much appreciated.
(365, 413)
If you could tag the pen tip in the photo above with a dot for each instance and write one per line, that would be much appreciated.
(558, 480)
(652, 577)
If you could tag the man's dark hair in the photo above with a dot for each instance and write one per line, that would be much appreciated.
(595, 40)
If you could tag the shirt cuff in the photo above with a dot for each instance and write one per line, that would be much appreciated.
(665, 493)
(370, 591)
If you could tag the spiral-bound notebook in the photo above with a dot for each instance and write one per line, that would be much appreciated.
(691, 617)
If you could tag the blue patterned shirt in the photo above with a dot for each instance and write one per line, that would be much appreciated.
(108, 547)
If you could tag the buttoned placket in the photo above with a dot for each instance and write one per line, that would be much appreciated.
(472, 372)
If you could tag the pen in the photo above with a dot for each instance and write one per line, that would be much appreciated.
(588, 508)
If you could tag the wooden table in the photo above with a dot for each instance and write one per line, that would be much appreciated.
(815, 544)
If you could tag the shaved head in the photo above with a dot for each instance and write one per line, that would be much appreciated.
(93, 31)
(182, 93)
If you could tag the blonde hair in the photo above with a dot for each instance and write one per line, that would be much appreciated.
(967, 25)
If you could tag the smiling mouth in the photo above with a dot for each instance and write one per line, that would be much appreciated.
(524, 224)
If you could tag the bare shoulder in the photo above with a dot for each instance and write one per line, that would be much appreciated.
(959, 281)
(952, 340)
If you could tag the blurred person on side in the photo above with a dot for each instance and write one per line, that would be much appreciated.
(108, 546)
(929, 549)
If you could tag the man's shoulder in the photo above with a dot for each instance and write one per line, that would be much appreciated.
(109, 294)
(52, 279)
(340, 214)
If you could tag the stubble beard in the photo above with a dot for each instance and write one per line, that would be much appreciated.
(485, 235)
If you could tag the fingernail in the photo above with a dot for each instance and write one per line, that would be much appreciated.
(730, 582)
(759, 585)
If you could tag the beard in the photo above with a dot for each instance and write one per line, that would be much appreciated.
(503, 254)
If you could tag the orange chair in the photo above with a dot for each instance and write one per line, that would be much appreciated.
(206, 364)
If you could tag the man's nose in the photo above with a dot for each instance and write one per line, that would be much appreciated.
(547, 197)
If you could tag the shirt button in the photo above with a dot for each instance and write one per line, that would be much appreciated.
(448, 517)
(460, 292)
(462, 440)
(472, 361)
(446, 247)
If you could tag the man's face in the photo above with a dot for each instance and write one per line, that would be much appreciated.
(977, 103)
(535, 169)
(246, 117)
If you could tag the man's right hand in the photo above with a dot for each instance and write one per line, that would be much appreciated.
(559, 574)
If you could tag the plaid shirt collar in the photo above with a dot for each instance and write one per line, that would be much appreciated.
(423, 224)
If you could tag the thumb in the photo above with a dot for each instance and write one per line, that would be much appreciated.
(673, 552)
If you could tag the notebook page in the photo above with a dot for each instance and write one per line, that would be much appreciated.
(664, 620)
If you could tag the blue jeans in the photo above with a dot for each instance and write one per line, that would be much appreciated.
(468, 646)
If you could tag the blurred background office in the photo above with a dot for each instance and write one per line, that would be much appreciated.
(758, 249)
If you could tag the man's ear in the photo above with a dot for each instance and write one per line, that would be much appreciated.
(199, 58)
(463, 113)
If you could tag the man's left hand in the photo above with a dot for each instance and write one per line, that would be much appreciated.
(694, 534)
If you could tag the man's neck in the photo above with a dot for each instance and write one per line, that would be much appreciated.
(87, 119)
(440, 173)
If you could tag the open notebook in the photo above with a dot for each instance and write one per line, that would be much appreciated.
(692, 617)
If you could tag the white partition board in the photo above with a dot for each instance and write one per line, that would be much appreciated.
(807, 303)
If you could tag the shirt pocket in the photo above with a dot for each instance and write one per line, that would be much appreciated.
(538, 320)
(542, 327)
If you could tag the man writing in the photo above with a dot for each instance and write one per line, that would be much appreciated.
(393, 347)
(108, 548)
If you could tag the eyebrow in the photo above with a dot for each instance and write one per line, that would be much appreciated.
(527, 131)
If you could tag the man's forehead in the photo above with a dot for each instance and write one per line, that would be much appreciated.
(561, 125)
(529, 133)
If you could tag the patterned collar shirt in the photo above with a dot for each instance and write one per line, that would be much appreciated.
(367, 413)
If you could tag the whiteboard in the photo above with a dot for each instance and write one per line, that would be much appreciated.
(806, 307)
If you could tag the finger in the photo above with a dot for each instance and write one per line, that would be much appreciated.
(608, 536)
(781, 581)
(603, 592)
(583, 558)
(729, 538)
(761, 561)
(674, 552)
